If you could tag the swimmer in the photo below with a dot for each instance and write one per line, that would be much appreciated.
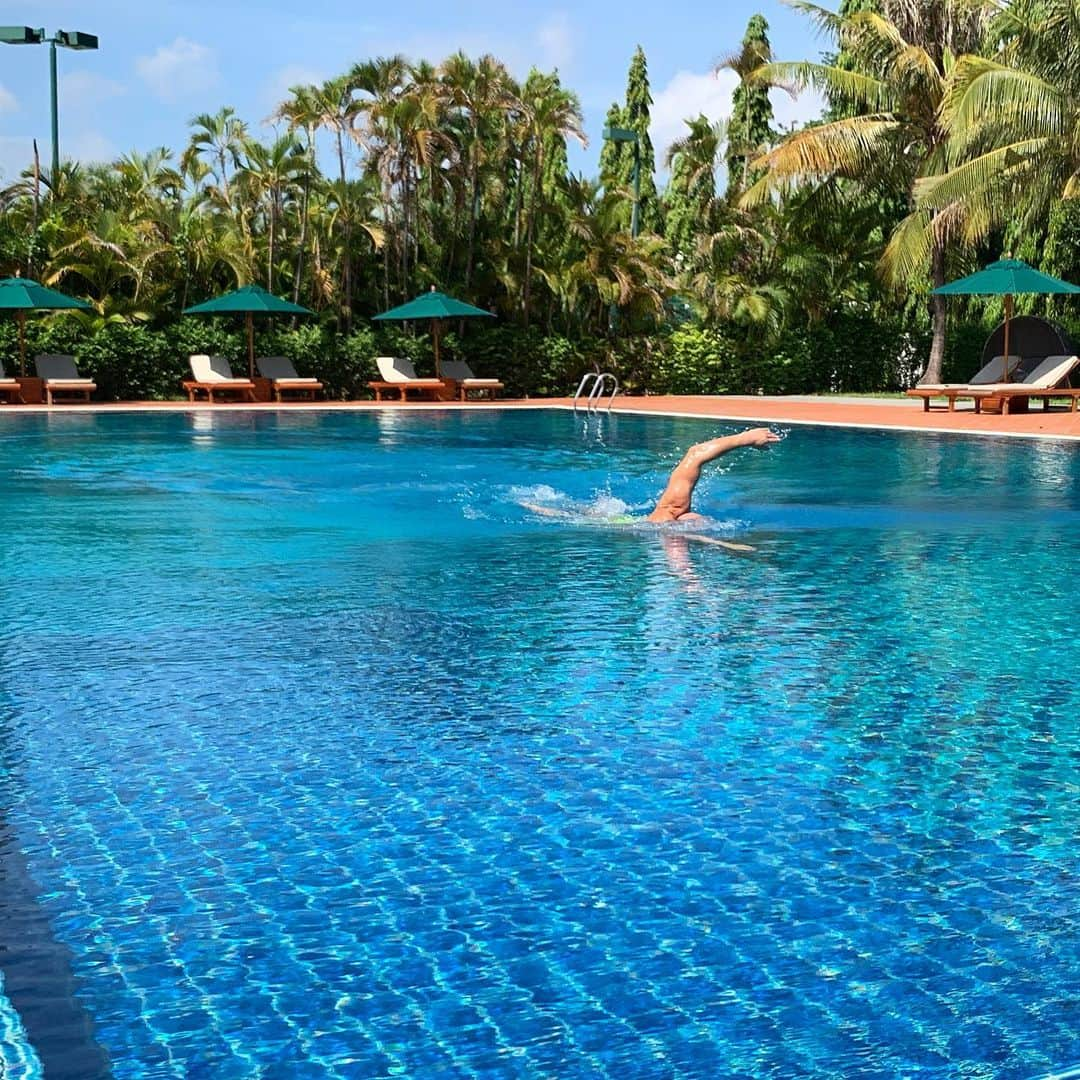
(674, 503)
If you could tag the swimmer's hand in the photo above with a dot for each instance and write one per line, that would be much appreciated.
(759, 437)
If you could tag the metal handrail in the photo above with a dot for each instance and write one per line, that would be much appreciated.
(599, 380)
(598, 390)
(581, 386)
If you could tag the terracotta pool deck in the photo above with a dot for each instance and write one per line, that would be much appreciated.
(874, 413)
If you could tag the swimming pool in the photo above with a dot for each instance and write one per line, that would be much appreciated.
(323, 758)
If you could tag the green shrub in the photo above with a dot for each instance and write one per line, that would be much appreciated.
(853, 351)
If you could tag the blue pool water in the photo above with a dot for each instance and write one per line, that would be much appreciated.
(324, 758)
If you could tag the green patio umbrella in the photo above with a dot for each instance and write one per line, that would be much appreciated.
(21, 295)
(436, 307)
(251, 300)
(1006, 277)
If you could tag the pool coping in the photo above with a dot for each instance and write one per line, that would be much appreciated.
(874, 414)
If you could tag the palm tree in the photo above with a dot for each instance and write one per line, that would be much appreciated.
(899, 61)
(379, 83)
(220, 138)
(301, 113)
(336, 107)
(273, 173)
(480, 93)
(1013, 122)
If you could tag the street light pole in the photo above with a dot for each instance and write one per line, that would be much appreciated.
(54, 116)
(68, 39)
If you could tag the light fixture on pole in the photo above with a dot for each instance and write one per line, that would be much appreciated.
(66, 39)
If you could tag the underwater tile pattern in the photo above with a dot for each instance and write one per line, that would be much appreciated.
(330, 760)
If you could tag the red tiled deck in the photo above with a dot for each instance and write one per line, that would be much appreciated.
(896, 413)
(881, 413)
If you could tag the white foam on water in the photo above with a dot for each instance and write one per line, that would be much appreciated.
(538, 493)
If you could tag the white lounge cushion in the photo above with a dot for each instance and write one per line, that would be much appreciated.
(54, 367)
(460, 371)
(214, 369)
(396, 369)
(1044, 376)
(989, 373)
(1051, 371)
(281, 368)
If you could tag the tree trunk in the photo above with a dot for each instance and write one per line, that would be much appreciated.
(224, 179)
(346, 277)
(304, 213)
(529, 227)
(474, 183)
(406, 210)
(932, 374)
(270, 245)
(519, 196)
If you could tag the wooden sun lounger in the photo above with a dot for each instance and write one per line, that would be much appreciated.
(69, 387)
(301, 387)
(13, 390)
(429, 388)
(1040, 382)
(461, 379)
(978, 395)
(283, 379)
(60, 376)
(951, 393)
(1028, 393)
(245, 388)
(213, 375)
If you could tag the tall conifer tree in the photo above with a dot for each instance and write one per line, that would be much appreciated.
(750, 129)
(636, 116)
(611, 153)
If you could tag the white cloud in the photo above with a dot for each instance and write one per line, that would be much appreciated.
(87, 90)
(686, 96)
(690, 94)
(791, 112)
(87, 147)
(7, 100)
(279, 84)
(179, 70)
(16, 154)
(557, 41)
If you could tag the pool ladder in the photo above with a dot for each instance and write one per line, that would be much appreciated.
(593, 387)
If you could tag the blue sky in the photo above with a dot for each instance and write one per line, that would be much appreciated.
(163, 61)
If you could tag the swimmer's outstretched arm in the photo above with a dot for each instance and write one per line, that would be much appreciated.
(675, 501)
(547, 511)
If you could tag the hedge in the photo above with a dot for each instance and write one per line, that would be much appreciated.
(853, 352)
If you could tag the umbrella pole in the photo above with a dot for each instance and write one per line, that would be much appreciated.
(435, 339)
(1008, 316)
(251, 345)
(21, 316)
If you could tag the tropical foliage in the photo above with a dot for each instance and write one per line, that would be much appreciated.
(771, 260)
